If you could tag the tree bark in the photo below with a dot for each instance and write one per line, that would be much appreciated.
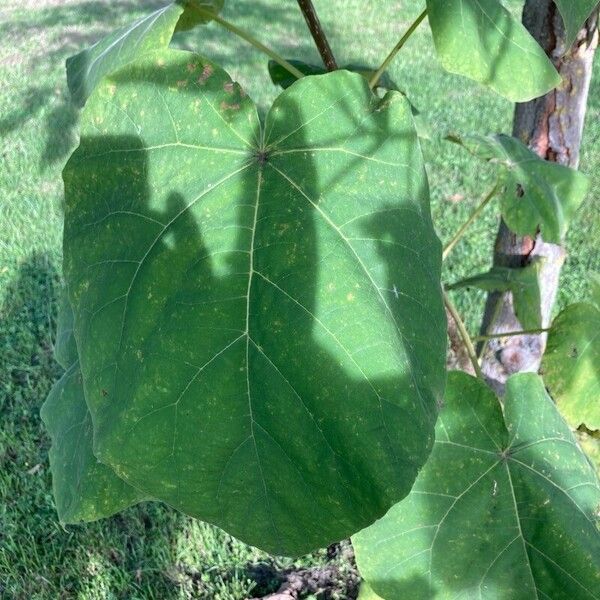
(552, 126)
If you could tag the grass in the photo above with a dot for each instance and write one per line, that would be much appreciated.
(150, 551)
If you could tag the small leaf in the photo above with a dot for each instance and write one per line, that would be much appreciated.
(258, 309)
(84, 489)
(571, 364)
(481, 40)
(148, 34)
(574, 14)
(538, 194)
(524, 285)
(505, 508)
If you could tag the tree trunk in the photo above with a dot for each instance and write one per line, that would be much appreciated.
(552, 126)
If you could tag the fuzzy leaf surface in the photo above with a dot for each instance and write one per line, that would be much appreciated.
(506, 507)
(480, 39)
(257, 308)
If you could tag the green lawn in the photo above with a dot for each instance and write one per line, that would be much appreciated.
(150, 551)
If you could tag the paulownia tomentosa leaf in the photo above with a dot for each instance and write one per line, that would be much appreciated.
(506, 506)
(571, 364)
(481, 40)
(522, 283)
(257, 308)
(538, 194)
(84, 489)
(574, 14)
(148, 34)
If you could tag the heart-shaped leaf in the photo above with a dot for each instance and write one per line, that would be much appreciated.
(481, 40)
(571, 364)
(538, 194)
(84, 489)
(574, 14)
(506, 507)
(524, 285)
(148, 34)
(257, 309)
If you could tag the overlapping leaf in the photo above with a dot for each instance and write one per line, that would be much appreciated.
(481, 40)
(257, 309)
(148, 34)
(522, 283)
(538, 194)
(84, 489)
(506, 506)
(571, 364)
(574, 14)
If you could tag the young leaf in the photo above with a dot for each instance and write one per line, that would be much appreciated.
(257, 309)
(538, 194)
(574, 14)
(84, 489)
(524, 285)
(124, 45)
(571, 364)
(506, 506)
(481, 40)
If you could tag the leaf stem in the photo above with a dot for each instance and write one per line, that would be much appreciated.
(464, 334)
(251, 40)
(457, 237)
(318, 35)
(390, 57)
(491, 336)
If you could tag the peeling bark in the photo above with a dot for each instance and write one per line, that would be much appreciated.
(552, 126)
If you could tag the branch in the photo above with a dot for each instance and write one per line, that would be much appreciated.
(314, 25)
(462, 331)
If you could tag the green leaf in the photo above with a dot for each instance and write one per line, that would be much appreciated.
(366, 593)
(506, 507)
(574, 14)
(84, 489)
(538, 195)
(571, 364)
(282, 77)
(480, 39)
(257, 309)
(148, 34)
(524, 285)
(65, 349)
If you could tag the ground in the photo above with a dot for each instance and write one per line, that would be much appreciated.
(150, 551)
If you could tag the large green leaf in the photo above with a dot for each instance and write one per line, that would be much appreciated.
(281, 76)
(148, 34)
(257, 309)
(574, 14)
(505, 508)
(571, 364)
(524, 285)
(481, 40)
(84, 489)
(538, 194)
